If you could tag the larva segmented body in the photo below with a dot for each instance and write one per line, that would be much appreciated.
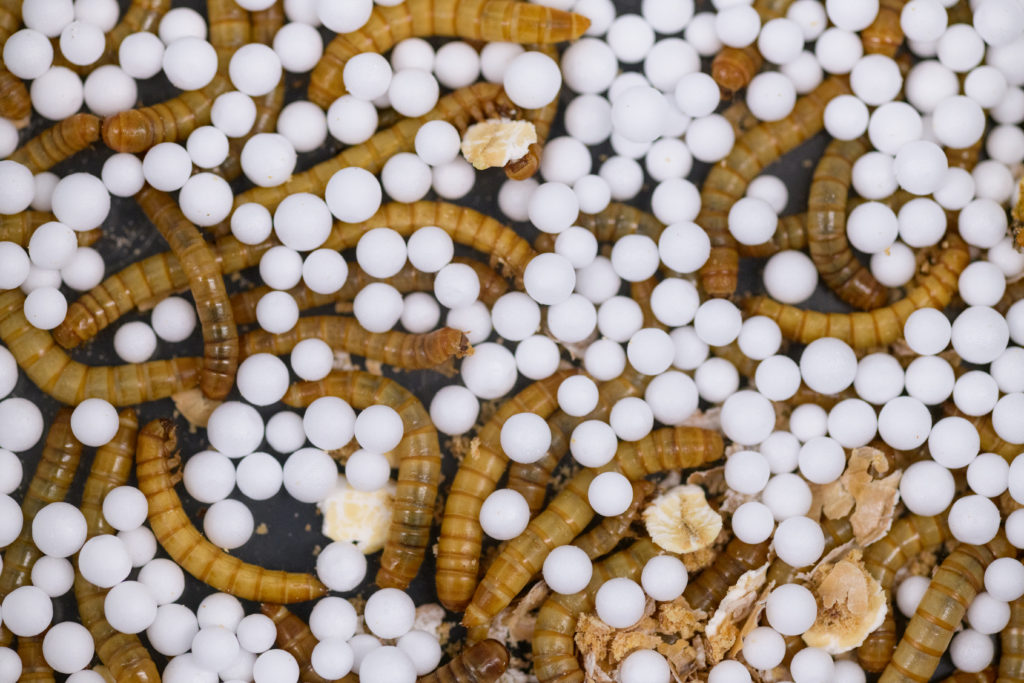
(18, 228)
(710, 586)
(603, 538)
(570, 512)
(49, 484)
(458, 547)
(956, 581)
(295, 638)
(186, 546)
(826, 228)
(487, 20)
(399, 349)
(71, 382)
(34, 668)
(985, 676)
(990, 441)
(220, 335)
(554, 648)
(531, 479)
(59, 142)
(419, 468)
(885, 35)
(907, 537)
(878, 327)
(510, 252)
(243, 304)
(616, 221)
(142, 15)
(1011, 639)
(484, 662)
(728, 179)
(228, 29)
(837, 532)
(791, 233)
(111, 467)
(145, 283)
(136, 130)
(461, 108)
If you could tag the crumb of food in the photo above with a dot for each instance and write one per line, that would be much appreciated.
(875, 499)
(677, 618)
(497, 141)
(360, 517)
(262, 529)
(722, 630)
(698, 559)
(429, 618)
(343, 361)
(681, 521)
(194, 406)
(851, 604)
(515, 623)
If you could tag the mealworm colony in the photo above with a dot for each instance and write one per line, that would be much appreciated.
(767, 480)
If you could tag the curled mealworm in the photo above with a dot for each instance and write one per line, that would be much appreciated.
(59, 142)
(531, 479)
(554, 649)
(957, 580)
(220, 335)
(484, 662)
(458, 547)
(466, 226)
(729, 178)
(881, 326)
(826, 228)
(710, 586)
(123, 653)
(885, 35)
(570, 512)
(295, 638)
(144, 283)
(398, 349)
(486, 20)
(49, 484)
(34, 668)
(18, 228)
(186, 546)
(419, 468)
(136, 130)
(603, 538)
(71, 382)
(1011, 639)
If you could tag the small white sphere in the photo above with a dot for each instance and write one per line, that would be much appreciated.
(235, 429)
(504, 514)
(389, 613)
(228, 524)
(45, 307)
(276, 666)
(94, 422)
(752, 522)
(130, 607)
(927, 488)
(787, 495)
(58, 529)
(791, 609)
(828, 365)
(172, 631)
(987, 615)
(259, 476)
(104, 561)
(790, 276)
(454, 409)
(490, 372)
(525, 437)
(971, 651)
(610, 494)
(68, 647)
(567, 570)
(55, 575)
(341, 566)
(1004, 579)
(799, 541)
(620, 602)
(208, 476)
(822, 460)
(164, 579)
(309, 474)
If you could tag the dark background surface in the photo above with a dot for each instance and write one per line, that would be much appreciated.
(294, 535)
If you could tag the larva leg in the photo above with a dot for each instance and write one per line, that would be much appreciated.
(958, 579)
(34, 668)
(554, 648)
(58, 143)
(458, 547)
(49, 484)
(186, 546)
(826, 228)
(710, 586)
(419, 469)
(487, 20)
(603, 538)
(729, 178)
(885, 35)
(484, 662)
(295, 638)
(220, 336)
(881, 326)
(570, 512)
(398, 349)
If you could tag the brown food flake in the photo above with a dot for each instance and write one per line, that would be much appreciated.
(262, 529)
(722, 631)
(851, 604)
(496, 142)
(681, 521)
(875, 498)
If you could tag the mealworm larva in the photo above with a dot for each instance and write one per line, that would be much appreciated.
(616, 221)
(14, 100)
(964, 157)
(458, 547)
(734, 67)
(554, 648)
(473, 103)
(466, 226)
(641, 293)
(49, 484)
(483, 662)
(145, 283)
(18, 228)
(220, 335)
(603, 538)
(527, 165)
(990, 441)
(740, 117)
(986, 676)
(531, 479)
(710, 586)
(295, 638)
(826, 228)
(398, 349)
(136, 130)
(878, 327)
(728, 179)
(186, 546)
(570, 512)
(111, 467)
(885, 35)
(419, 468)
(731, 352)
(57, 143)
(791, 233)
(1011, 639)
(837, 532)
(908, 536)
(486, 20)
(142, 15)
(34, 668)
(71, 382)
(228, 29)
(243, 304)
(955, 583)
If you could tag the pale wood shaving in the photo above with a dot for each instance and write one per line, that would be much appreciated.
(496, 142)
(722, 631)
(851, 604)
(681, 521)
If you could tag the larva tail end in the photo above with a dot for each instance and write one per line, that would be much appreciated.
(578, 26)
(128, 131)
(494, 658)
(525, 166)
